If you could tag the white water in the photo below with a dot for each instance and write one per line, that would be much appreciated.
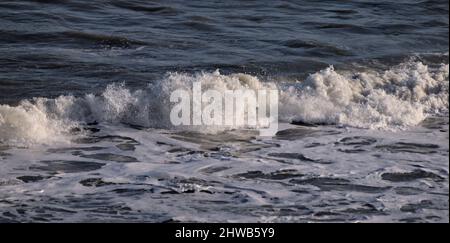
(394, 99)
(120, 173)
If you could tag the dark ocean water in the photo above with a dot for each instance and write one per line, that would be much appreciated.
(85, 136)
(48, 48)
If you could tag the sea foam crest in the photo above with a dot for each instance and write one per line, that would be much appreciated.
(400, 97)
(397, 98)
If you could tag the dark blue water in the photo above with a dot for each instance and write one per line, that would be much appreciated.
(53, 47)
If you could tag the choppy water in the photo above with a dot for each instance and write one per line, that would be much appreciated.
(84, 90)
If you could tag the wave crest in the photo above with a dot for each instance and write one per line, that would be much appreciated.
(397, 98)
(402, 96)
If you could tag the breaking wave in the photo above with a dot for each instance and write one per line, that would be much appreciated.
(397, 98)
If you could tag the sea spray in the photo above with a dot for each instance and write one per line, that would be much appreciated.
(397, 98)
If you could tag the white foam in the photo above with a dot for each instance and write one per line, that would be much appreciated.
(29, 123)
(397, 98)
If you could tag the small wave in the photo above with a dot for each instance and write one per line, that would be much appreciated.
(104, 40)
(400, 97)
(341, 27)
(153, 9)
(320, 48)
(69, 37)
(199, 25)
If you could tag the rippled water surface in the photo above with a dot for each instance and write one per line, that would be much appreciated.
(85, 136)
